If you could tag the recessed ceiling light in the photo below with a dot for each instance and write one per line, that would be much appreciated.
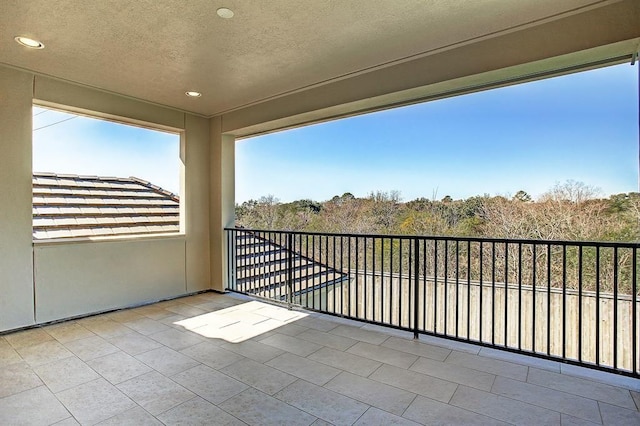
(225, 13)
(29, 42)
(193, 94)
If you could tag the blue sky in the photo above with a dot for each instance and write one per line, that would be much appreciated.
(89, 146)
(581, 126)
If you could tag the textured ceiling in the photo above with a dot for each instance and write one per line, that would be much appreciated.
(156, 50)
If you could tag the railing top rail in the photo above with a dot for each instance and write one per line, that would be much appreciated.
(452, 238)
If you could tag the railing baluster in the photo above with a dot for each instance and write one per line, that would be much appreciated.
(519, 296)
(506, 294)
(534, 306)
(480, 317)
(634, 316)
(615, 308)
(446, 285)
(564, 301)
(493, 293)
(416, 282)
(468, 289)
(457, 286)
(580, 303)
(598, 305)
(548, 299)
(290, 269)
(435, 285)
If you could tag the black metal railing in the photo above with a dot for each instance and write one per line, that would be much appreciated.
(571, 301)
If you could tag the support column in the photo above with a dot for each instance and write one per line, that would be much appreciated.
(222, 201)
(16, 251)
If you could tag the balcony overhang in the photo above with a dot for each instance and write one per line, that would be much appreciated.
(598, 37)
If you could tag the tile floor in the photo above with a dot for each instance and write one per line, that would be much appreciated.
(225, 359)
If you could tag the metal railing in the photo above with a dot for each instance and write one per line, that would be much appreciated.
(570, 301)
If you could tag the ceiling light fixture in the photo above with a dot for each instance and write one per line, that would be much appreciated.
(29, 42)
(192, 94)
(225, 13)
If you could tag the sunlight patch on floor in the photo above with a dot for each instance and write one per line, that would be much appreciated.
(241, 322)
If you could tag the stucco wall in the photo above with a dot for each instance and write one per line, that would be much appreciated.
(78, 278)
(16, 279)
(74, 279)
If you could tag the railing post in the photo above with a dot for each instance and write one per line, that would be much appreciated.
(416, 280)
(290, 270)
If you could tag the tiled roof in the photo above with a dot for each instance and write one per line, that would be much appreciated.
(262, 268)
(87, 206)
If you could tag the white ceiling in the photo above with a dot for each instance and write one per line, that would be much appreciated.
(156, 50)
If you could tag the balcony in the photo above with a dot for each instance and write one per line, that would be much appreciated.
(229, 359)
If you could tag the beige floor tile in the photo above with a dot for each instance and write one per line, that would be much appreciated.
(262, 377)
(383, 354)
(429, 412)
(356, 333)
(322, 403)
(416, 347)
(197, 411)
(37, 406)
(345, 361)
(44, 353)
(454, 373)
(257, 408)
(320, 422)
(137, 416)
(255, 350)
(240, 331)
(291, 329)
(68, 332)
(69, 421)
(176, 339)
(453, 345)
(502, 408)
(22, 339)
(567, 420)
(209, 384)
(291, 344)
(95, 401)
(278, 313)
(118, 367)
(582, 387)
(108, 328)
(316, 323)
(16, 378)
(134, 343)
(167, 361)
(8, 355)
(529, 361)
(370, 392)
(155, 392)
(65, 374)
(636, 398)
(421, 384)
(124, 315)
(91, 347)
(213, 319)
(614, 415)
(146, 326)
(489, 365)
(304, 368)
(563, 402)
(186, 310)
(155, 313)
(376, 417)
(211, 355)
(327, 339)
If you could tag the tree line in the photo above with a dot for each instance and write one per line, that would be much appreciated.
(569, 211)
